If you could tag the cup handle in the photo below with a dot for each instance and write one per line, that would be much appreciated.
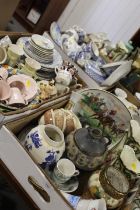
(56, 71)
(76, 173)
(78, 86)
(67, 90)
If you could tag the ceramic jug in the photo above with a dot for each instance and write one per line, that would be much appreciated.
(87, 148)
(45, 144)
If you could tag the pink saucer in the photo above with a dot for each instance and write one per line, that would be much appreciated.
(29, 83)
(5, 91)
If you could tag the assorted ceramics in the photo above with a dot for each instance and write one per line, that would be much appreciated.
(87, 49)
(45, 143)
(87, 148)
(130, 160)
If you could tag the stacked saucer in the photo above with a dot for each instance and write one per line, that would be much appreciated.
(42, 50)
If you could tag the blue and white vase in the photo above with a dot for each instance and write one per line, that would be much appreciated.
(46, 145)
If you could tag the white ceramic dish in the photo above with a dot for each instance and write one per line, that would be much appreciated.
(130, 160)
(119, 73)
(42, 42)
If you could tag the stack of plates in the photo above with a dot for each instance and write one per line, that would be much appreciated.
(42, 50)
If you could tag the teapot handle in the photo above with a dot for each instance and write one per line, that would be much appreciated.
(107, 140)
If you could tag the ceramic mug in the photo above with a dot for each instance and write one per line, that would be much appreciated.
(64, 171)
(62, 88)
(63, 77)
(14, 54)
(30, 67)
(3, 73)
(16, 97)
(3, 55)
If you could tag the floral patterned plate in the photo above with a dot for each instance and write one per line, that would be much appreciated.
(101, 109)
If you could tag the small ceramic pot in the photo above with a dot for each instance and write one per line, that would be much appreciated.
(3, 55)
(45, 143)
(63, 77)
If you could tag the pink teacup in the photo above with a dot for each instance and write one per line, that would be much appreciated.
(3, 73)
(5, 91)
(16, 97)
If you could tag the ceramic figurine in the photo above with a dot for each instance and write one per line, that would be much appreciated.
(87, 148)
(45, 143)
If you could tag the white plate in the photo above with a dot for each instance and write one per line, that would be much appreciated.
(42, 42)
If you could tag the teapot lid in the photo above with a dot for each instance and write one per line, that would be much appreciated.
(90, 141)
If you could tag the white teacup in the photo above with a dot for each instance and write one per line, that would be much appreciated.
(3, 55)
(30, 67)
(64, 170)
(16, 97)
(63, 77)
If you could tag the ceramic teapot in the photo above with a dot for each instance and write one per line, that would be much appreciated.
(87, 148)
(63, 77)
(45, 144)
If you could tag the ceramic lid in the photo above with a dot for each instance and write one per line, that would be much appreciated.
(90, 141)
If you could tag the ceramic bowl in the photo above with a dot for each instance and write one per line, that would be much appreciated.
(30, 85)
(101, 109)
(130, 160)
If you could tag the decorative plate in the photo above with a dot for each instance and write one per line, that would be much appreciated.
(102, 109)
